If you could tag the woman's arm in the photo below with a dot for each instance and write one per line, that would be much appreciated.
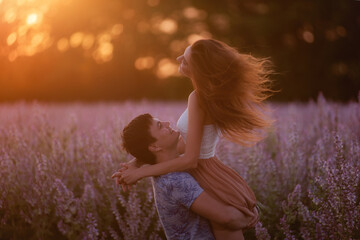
(192, 149)
(193, 142)
(180, 148)
(133, 163)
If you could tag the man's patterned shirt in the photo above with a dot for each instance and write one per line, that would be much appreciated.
(174, 193)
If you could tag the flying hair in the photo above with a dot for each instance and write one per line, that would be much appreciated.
(232, 88)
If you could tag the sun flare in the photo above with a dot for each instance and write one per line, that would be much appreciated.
(32, 19)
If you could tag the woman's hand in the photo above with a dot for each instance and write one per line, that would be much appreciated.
(117, 175)
(130, 175)
(117, 180)
(129, 165)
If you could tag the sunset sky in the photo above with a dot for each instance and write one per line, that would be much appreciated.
(120, 49)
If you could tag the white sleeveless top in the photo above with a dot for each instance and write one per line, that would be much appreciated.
(209, 139)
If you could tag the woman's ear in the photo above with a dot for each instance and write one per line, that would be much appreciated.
(154, 148)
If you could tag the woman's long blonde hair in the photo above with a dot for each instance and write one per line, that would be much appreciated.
(232, 87)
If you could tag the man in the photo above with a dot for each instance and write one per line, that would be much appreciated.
(183, 206)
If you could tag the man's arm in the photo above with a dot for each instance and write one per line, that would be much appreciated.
(184, 189)
(215, 211)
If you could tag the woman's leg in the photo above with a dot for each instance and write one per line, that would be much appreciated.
(221, 233)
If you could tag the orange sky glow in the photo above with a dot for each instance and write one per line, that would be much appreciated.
(30, 29)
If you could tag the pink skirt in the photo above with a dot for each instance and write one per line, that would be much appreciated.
(227, 186)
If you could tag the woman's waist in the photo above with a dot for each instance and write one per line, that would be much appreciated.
(207, 157)
(207, 150)
(206, 154)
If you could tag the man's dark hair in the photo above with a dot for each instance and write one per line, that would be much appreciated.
(136, 139)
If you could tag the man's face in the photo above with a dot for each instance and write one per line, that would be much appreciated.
(166, 137)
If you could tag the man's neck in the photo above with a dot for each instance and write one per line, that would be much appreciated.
(166, 155)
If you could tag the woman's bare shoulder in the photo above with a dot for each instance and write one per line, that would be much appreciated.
(194, 104)
(193, 99)
(192, 95)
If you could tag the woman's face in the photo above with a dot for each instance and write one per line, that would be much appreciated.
(184, 67)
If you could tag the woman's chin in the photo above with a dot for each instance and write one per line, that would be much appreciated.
(182, 73)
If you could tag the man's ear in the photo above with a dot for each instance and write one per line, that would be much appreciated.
(154, 148)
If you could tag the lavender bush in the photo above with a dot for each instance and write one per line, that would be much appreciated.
(56, 161)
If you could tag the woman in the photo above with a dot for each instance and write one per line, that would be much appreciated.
(229, 89)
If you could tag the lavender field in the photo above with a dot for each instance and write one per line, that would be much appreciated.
(56, 162)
